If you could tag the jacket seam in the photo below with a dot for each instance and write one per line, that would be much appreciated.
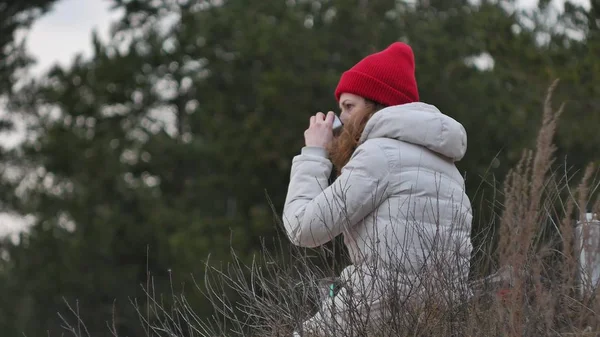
(420, 168)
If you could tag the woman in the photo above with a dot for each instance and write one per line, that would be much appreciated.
(398, 200)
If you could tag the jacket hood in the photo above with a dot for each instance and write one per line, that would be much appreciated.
(420, 124)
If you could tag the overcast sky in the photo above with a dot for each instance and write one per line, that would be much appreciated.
(67, 29)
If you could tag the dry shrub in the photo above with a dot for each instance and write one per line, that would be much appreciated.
(543, 271)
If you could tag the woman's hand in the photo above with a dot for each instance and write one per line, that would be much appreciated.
(320, 130)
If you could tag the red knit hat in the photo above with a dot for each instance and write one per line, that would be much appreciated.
(386, 77)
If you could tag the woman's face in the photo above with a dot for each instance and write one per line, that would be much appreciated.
(352, 107)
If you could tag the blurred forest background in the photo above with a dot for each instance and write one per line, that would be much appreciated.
(161, 149)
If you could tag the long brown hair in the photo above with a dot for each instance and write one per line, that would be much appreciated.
(344, 145)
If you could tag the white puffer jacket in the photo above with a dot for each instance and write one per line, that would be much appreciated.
(399, 201)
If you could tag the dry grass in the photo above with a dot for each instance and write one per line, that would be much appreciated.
(537, 258)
